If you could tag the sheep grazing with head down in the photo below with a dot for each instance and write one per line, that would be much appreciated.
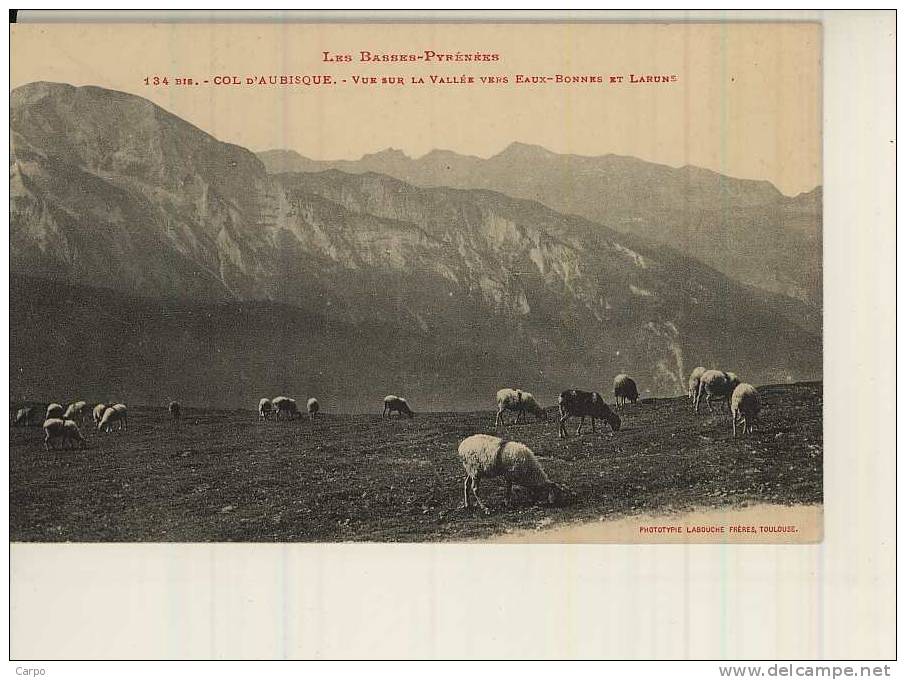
(123, 414)
(109, 421)
(312, 406)
(98, 413)
(486, 456)
(715, 386)
(581, 404)
(745, 406)
(394, 403)
(285, 408)
(520, 402)
(75, 411)
(64, 431)
(114, 418)
(694, 380)
(265, 408)
(624, 389)
(54, 411)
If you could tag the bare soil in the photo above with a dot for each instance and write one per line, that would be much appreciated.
(224, 476)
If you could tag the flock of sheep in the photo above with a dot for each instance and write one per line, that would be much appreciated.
(486, 456)
(63, 425)
(285, 408)
(483, 456)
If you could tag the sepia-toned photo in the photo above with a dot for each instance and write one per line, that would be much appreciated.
(313, 283)
(452, 335)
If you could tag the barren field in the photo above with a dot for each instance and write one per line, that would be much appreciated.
(223, 476)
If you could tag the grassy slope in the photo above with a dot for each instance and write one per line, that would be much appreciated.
(222, 476)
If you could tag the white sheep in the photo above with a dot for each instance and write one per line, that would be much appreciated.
(108, 420)
(484, 456)
(312, 406)
(98, 413)
(518, 401)
(394, 403)
(624, 389)
(124, 412)
(75, 411)
(54, 411)
(745, 406)
(285, 407)
(694, 380)
(264, 409)
(114, 418)
(174, 408)
(24, 416)
(716, 385)
(66, 431)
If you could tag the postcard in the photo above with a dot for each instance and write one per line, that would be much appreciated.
(303, 285)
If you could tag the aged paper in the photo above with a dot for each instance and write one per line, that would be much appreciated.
(491, 229)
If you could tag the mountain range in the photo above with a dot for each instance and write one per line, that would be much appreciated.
(745, 229)
(152, 261)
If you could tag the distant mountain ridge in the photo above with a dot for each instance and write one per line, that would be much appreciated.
(746, 229)
(348, 284)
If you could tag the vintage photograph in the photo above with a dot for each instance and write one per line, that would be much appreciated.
(430, 283)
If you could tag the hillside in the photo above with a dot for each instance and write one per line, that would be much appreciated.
(224, 283)
(745, 229)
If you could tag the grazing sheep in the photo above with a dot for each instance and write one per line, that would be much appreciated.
(108, 420)
(114, 418)
(24, 416)
(716, 386)
(285, 407)
(483, 456)
(582, 404)
(54, 429)
(123, 411)
(265, 408)
(54, 411)
(394, 403)
(624, 389)
(66, 431)
(745, 406)
(75, 411)
(694, 379)
(173, 408)
(313, 407)
(73, 434)
(98, 412)
(518, 401)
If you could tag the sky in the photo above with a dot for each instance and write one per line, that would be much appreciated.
(745, 101)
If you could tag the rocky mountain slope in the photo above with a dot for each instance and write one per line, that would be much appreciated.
(746, 229)
(134, 232)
